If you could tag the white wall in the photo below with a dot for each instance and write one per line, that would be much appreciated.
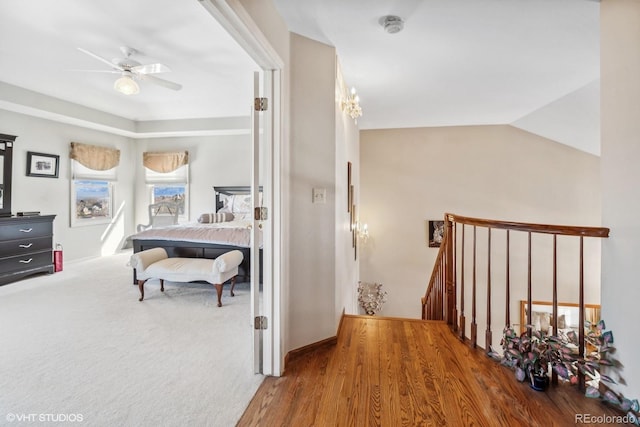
(620, 106)
(213, 161)
(51, 195)
(409, 176)
(347, 150)
(313, 158)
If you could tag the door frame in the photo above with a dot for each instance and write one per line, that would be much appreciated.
(239, 24)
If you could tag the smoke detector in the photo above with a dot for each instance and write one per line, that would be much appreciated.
(392, 24)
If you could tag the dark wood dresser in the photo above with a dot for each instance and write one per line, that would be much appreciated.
(26, 246)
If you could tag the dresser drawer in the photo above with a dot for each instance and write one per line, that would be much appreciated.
(29, 230)
(24, 246)
(26, 261)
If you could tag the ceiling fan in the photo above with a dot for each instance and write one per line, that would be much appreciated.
(131, 70)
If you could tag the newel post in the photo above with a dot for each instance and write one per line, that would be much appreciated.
(449, 270)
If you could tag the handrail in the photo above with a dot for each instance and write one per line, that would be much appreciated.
(433, 281)
(443, 302)
(567, 230)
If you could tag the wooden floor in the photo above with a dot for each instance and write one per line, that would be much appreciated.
(396, 372)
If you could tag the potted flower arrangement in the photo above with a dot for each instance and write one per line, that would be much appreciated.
(568, 364)
(528, 354)
(532, 353)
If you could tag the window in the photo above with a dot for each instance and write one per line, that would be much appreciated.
(92, 202)
(167, 178)
(176, 193)
(93, 173)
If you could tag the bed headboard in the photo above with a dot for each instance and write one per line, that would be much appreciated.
(230, 191)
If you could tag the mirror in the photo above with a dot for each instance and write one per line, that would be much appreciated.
(6, 157)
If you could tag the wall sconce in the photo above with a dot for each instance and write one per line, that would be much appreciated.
(351, 105)
(363, 233)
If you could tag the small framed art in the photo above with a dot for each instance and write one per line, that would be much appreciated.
(436, 233)
(42, 165)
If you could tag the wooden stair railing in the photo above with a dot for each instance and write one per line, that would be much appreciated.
(445, 298)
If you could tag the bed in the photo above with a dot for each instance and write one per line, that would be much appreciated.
(209, 240)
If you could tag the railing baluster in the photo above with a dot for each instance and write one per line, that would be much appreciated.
(507, 320)
(488, 339)
(448, 269)
(474, 326)
(439, 292)
(462, 318)
(554, 320)
(443, 288)
(581, 313)
(454, 271)
(529, 302)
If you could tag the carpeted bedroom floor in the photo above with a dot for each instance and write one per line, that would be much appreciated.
(77, 348)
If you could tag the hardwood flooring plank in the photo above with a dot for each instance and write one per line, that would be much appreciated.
(402, 372)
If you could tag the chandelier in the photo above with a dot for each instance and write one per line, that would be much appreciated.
(351, 105)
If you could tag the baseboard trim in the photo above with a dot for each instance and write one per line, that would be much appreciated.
(299, 352)
(403, 319)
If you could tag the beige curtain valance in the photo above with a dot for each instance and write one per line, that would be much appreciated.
(94, 157)
(165, 162)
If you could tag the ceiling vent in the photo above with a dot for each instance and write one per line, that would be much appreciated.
(392, 24)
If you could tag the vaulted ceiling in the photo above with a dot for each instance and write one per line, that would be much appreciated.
(533, 64)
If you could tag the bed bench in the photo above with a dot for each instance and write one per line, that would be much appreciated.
(156, 264)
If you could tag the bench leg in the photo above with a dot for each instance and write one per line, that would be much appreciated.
(141, 287)
(219, 291)
(233, 284)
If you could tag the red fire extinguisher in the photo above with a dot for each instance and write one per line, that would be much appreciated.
(57, 258)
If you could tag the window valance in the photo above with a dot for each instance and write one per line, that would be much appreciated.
(165, 162)
(94, 157)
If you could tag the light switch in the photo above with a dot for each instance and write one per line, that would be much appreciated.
(319, 195)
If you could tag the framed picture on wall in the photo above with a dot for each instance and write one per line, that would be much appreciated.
(91, 202)
(435, 233)
(42, 165)
(349, 188)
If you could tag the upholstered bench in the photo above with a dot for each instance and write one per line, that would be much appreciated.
(156, 264)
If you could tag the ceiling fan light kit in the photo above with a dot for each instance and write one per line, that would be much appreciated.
(132, 70)
(126, 84)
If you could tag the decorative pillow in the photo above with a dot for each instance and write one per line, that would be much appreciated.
(562, 322)
(541, 321)
(227, 203)
(241, 203)
(215, 217)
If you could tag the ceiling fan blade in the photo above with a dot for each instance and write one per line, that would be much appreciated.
(160, 82)
(101, 59)
(151, 69)
(99, 71)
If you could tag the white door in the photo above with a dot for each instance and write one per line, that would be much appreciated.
(262, 231)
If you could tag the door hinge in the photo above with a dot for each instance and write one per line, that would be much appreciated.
(260, 322)
(260, 214)
(260, 104)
